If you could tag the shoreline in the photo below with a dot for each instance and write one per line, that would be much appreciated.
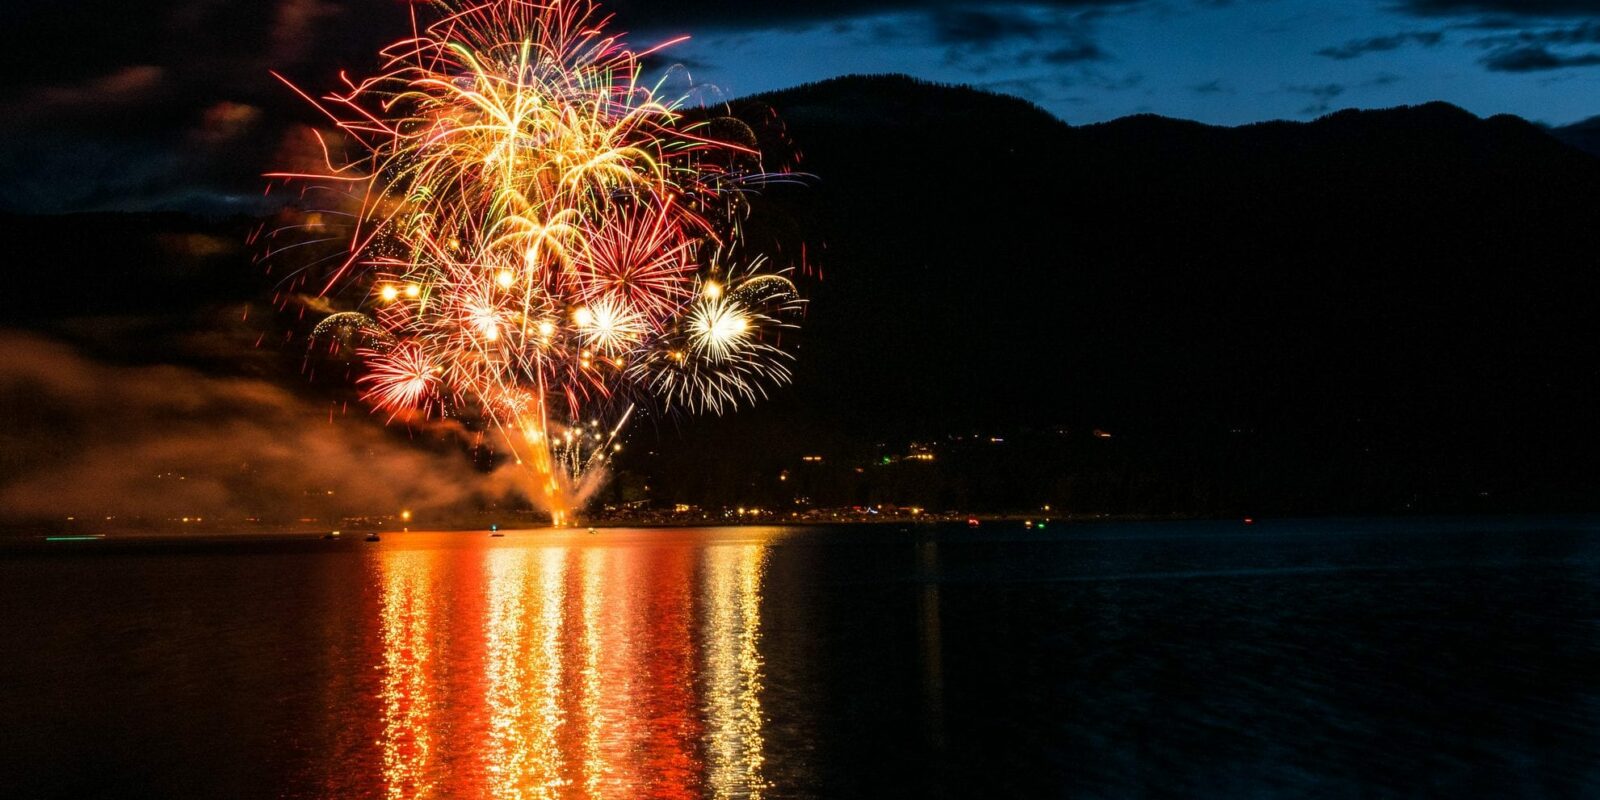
(41, 535)
(64, 534)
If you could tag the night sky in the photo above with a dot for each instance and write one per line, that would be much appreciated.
(147, 105)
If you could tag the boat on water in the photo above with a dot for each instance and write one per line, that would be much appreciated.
(373, 537)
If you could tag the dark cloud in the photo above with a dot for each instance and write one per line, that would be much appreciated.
(1322, 96)
(1213, 86)
(978, 28)
(295, 28)
(1074, 53)
(662, 60)
(167, 105)
(1585, 33)
(172, 105)
(713, 14)
(121, 86)
(1535, 58)
(984, 41)
(1356, 48)
(1582, 33)
(1513, 8)
(198, 43)
(225, 122)
(1540, 50)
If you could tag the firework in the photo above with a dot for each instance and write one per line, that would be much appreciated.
(402, 378)
(536, 237)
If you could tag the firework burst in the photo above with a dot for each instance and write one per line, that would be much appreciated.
(537, 237)
(401, 379)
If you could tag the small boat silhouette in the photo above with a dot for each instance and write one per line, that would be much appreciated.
(373, 537)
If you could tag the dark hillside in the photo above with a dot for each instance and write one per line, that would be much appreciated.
(1375, 310)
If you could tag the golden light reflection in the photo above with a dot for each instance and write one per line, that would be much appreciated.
(524, 672)
(595, 766)
(733, 667)
(407, 692)
(569, 668)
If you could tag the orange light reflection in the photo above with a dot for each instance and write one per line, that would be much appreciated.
(407, 693)
(602, 671)
(733, 667)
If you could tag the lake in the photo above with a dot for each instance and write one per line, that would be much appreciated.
(1329, 658)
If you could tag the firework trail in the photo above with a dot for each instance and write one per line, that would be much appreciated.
(536, 238)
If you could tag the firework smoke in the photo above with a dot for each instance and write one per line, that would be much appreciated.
(123, 447)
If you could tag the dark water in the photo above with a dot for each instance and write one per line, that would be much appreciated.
(1327, 659)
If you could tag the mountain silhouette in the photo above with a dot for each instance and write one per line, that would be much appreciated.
(1583, 135)
(1375, 310)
